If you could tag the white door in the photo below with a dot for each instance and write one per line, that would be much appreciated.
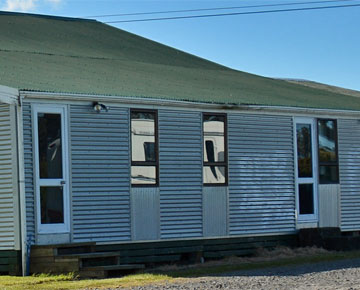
(51, 168)
(306, 169)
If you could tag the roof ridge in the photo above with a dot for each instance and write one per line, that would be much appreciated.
(64, 18)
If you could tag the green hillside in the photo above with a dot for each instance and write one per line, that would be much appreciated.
(82, 56)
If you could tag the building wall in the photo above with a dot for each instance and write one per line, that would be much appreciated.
(260, 197)
(9, 207)
(261, 174)
(349, 162)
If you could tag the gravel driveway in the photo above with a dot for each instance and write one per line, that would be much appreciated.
(327, 275)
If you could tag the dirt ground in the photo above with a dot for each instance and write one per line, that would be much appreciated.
(343, 274)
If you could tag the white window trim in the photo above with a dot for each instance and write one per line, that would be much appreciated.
(51, 228)
(307, 218)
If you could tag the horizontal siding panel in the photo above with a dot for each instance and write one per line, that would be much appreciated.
(261, 174)
(349, 163)
(180, 174)
(100, 174)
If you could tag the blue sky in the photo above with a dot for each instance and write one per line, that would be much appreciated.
(319, 45)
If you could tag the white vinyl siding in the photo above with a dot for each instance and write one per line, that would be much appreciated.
(9, 224)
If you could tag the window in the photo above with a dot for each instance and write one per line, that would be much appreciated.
(215, 149)
(328, 153)
(144, 149)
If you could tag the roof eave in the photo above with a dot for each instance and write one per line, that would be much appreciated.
(267, 109)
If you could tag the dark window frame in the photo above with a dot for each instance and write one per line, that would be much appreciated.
(147, 163)
(329, 163)
(224, 163)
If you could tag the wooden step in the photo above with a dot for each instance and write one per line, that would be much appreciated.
(66, 245)
(103, 271)
(89, 255)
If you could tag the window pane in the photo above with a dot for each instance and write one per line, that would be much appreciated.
(327, 140)
(328, 174)
(52, 205)
(143, 175)
(214, 174)
(306, 198)
(303, 132)
(214, 140)
(50, 147)
(143, 136)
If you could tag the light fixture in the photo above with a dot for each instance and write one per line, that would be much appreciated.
(99, 107)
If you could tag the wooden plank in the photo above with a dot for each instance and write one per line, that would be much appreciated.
(150, 259)
(8, 254)
(148, 245)
(41, 252)
(115, 267)
(44, 260)
(160, 251)
(66, 245)
(57, 267)
(10, 260)
(88, 255)
(221, 254)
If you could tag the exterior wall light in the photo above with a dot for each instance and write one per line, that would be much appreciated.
(99, 107)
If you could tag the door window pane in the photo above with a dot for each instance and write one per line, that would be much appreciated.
(52, 205)
(214, 174)
(304, 154)
(306, 198)
(328, 174)
(214, 138)
(50, 145)
(143, 174)
(327, 140)
(142, 136)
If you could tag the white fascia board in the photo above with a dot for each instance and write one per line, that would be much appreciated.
(8, 95)
(171, 104)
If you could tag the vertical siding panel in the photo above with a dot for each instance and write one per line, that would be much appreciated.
(7, 218)
(329, 205)
(29, 174)
(100, 174)
(261, 174)
(145, 213)
(215, 200)
(180, 174)
(349, 162)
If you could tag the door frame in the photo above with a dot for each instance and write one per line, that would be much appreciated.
(63, 111)
(306, 180)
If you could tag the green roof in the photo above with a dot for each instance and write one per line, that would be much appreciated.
(69, 55)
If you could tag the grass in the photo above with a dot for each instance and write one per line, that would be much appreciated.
(69, 282)
(264, 259)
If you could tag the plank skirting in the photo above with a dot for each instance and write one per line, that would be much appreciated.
(10, 262)
(105, 260)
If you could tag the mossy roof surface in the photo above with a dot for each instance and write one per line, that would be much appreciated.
(64, 55)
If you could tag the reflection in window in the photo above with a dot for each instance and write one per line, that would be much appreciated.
(215, 161)
(304, 154)
(328, 157)
(149, 149)
(143, 174)
(50, 149)
(143, 147)
(52, 205)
